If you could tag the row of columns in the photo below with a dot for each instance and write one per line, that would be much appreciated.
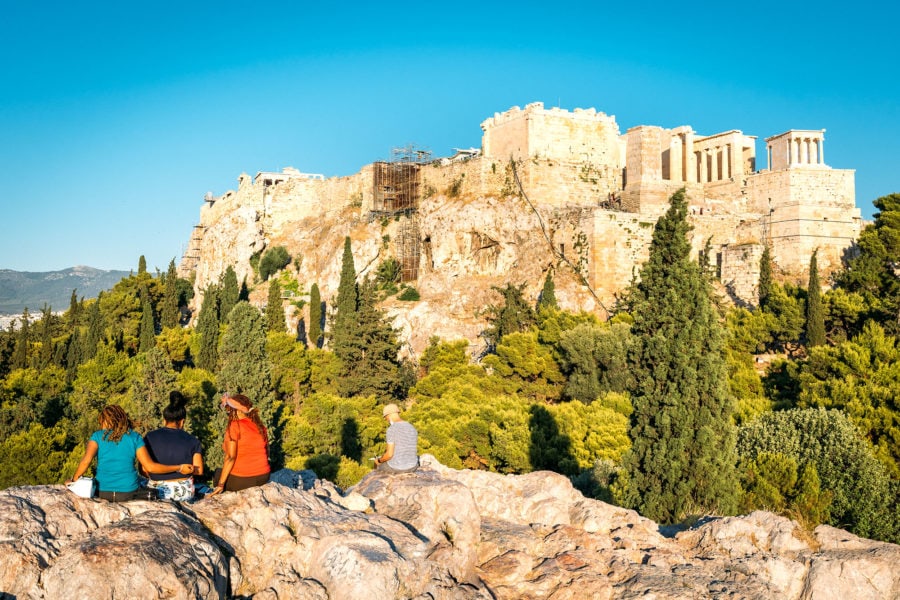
(796, 148)
(712, 163)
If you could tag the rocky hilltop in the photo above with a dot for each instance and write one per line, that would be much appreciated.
(435, 534)
(549, 190)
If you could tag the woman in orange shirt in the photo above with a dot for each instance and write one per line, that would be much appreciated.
(246, 447)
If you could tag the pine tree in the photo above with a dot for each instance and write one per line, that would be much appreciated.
(245, 363)
(765, 276)
(230, 293)
(208, 330)
(548, 293)
(815, 316)
(344, 320)
(683, 458)
(274, 308)
(169, 315)
(94, 331)
(315, 317)
(148, 326)
(142, 265)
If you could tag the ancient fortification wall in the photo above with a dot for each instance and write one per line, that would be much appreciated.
(594, 195)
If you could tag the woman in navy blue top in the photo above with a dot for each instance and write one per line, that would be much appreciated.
(172, 444)
(116, 446)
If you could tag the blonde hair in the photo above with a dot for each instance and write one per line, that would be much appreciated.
(115, 422)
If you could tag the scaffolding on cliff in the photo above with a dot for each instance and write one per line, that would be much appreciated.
(396, 185)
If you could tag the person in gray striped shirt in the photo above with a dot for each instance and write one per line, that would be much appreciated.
(401, 454)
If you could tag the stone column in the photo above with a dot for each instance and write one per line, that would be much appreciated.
(717, 164)
(768, 157)
(814, 151)
(676, 147)
(822, 150)
(688, 167)
(702, 171)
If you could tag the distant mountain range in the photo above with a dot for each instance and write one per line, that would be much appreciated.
(19, 289)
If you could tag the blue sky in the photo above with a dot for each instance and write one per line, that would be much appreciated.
(116, 118)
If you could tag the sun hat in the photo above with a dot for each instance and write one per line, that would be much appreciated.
(390, 409)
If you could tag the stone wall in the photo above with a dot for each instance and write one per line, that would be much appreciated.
(739, 271)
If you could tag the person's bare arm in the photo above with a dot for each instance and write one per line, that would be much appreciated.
(151, 466)
(388, 454)
(228, 464)
(90, 452)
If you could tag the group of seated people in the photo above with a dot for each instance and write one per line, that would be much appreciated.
(171, 458)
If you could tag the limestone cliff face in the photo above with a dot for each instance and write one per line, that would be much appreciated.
(465, 245)
(435, 534)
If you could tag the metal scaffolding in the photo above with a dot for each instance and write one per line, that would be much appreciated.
(408, 248)
(396, 183)
(396, 189)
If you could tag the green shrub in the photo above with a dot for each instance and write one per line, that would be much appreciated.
(409, 294)
(273, 261)
(864, 495)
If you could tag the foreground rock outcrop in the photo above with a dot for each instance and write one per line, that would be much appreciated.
(435, 534)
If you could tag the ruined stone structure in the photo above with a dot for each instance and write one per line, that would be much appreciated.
(549, 189)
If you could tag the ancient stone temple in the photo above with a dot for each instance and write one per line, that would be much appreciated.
(796, 204)
(548, 189)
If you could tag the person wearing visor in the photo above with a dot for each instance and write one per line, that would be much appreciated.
(246, 447)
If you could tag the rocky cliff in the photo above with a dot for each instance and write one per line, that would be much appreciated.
(438, 533)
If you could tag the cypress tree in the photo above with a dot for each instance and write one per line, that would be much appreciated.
(208, 330)
(20, 354)
(142, 265)
(148, 328)
(169, 315)
(150, 390)
(230, 293)
(245, 362)
(765, 276)
(548, 293)
(343, 327)
(74, 309)
(815, 316)
(274, 308)
(369, 364)
(46, 355)
(682, 459)
(514, 316)
(73, 355)
(94, 331)
(315, 317)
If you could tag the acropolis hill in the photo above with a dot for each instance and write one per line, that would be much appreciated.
(548, 189)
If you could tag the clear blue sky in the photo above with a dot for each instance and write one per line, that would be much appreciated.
(116, 118)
